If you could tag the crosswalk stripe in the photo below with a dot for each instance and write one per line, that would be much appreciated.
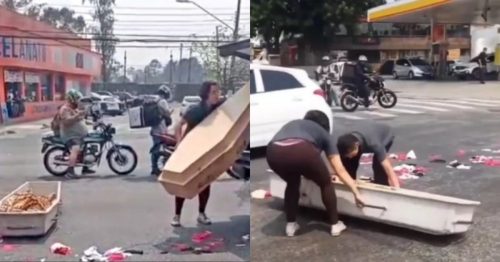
(378, 114)
(496, 102)
(413, 112)
(424, 107)
(477, 104)
(440, 104)
(347, 116)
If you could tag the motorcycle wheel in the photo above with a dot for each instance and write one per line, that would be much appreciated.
(387, 99)
(48, 162)
(348, 101)
(162, 159)
(119, 158)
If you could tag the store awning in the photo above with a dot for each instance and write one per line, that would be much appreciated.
(240, 49)
(441, 11)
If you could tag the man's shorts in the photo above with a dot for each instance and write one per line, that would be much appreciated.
(74, 142)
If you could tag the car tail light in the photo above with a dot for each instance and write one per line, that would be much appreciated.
(319, 92)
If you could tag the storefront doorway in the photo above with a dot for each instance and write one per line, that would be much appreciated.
(13, 93)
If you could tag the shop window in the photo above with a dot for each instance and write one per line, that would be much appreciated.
(60, 91)
(46, 85)
(32, 83)
(13, 93)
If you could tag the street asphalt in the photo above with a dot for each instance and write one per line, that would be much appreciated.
(431, 133)
(133, 212)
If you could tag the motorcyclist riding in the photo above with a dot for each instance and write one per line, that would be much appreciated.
(324, 69)
(162, 127)
(73, 129)
(362, 70)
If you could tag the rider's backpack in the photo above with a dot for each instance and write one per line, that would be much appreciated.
(152, 115)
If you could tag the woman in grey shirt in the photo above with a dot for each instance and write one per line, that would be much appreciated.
(295, 151)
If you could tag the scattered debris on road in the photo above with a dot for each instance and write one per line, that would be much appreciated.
(261, 194)
(116, 254)
(409, 171)
(457, 165)
(437, 159)
(60, 249)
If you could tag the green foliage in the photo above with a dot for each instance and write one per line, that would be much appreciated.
(64, 19)
(317, 21)
(104, 36)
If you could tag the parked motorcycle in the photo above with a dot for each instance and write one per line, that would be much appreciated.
(350, 99)
(326, 84)
(122, 159)
(167, 144)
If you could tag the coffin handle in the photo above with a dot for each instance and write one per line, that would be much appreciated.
(461, 222)
(376, 207)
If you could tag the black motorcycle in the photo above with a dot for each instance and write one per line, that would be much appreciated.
(167, 144)
(122, 159)
(350, 99)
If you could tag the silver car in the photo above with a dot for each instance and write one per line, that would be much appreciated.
(412, 68)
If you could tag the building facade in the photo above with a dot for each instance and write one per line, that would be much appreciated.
(38, 64)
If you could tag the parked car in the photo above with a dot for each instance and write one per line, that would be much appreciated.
(109, 105)
(91, 103)
(105, 93)
(188, 102)
(466, 70)
(412, 68)
(127, 98)
(279, 95)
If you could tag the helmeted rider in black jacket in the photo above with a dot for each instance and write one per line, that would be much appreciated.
(362, 70)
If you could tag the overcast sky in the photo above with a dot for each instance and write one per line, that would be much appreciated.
(162, 17)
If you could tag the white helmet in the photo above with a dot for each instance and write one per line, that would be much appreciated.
(325, 58)
(362, 58)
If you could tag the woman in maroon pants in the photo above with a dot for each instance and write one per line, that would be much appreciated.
(295, 151)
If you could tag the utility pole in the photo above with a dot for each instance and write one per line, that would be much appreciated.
(218, 57)
(125, 66)
(235, 38)
(189, 64)
(171, 70)
(179, 69)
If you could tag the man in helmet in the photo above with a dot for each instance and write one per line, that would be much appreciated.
(361, 71)
(73, 129)
(162, 127)
(324, 69)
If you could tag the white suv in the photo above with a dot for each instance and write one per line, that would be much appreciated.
(279, 95)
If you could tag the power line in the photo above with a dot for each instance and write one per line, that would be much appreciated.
(145, 8)
(114, 39)
(164, 14)
(118, 34)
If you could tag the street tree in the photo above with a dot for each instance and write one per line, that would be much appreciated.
(217, 67)
(64, 19)
(316, 21)
(26, 7)
(104, 36)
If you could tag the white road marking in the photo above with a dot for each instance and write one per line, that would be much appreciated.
(413, 112)
(484, 100)
(440, 104)
(424, 107)
(347, 116)
(378, 114)
(476, 104)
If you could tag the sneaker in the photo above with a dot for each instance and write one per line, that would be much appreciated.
(291, 228)
(72, 175)
(203, 219)
(87, 171)
(176, 221)
(338, 228)
(155, 172)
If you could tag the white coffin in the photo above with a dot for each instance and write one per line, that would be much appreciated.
(419, 211)
(32, 223)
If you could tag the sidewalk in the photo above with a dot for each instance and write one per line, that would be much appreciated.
(30, 125)
(445, 90)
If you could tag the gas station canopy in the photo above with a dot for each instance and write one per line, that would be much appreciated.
(474, 12)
